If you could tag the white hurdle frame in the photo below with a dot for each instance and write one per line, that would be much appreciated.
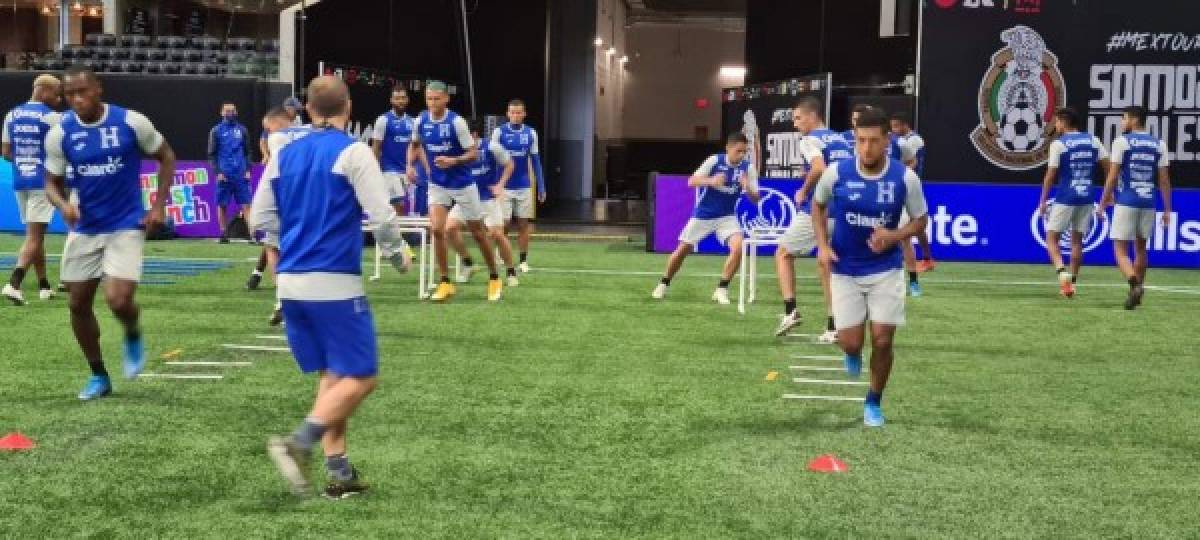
(420, 226)
(748, 269)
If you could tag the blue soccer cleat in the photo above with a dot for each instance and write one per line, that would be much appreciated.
(97, 386)
(135, 357)
(914, 289)
(872, 415)
(853, 366)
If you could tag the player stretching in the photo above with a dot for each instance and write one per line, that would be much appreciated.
(103, 144)
(312, 197)
(25, 129)
(229, 156)
(491, 174)
(1140, 162)
(866, 196)
(913, 146)
(721, 179)
(1074, 157)
(521, 142)
(822, 147)
(392, 143)
(442, 138)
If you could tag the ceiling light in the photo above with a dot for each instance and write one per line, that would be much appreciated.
(599, 41)
(611, 51)
(733, 71)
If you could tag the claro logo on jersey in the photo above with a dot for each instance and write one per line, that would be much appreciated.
(113, 166)
(1017, 98)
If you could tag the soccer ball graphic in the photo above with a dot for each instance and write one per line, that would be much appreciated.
(1021, 128)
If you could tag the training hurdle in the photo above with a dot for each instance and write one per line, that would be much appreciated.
(420, 226)
(748, 267)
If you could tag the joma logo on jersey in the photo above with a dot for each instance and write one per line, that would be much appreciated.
(1017, 99)
(113, 166)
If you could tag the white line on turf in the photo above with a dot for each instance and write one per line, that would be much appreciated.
(814, 357)
(823, 381)
(819, 368)
(281, 338)
(254, 348)
(194, 376)
(823, 398)
(207, 363)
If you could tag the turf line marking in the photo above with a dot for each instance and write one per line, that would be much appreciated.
(196, 376)
(823, 398)
(824, 381)
(803, 335)
(255, 348)
(818, 368)
(281, 338)
(814, 357)
(208, 363)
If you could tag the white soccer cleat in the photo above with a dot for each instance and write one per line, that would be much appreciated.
(523, 267)
(787, 322)
(828, 338)
(464, 274)
(721, 296)
(660, 292)
(13, 295)
(512, 281)
(46, 294)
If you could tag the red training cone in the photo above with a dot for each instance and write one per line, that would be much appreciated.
(15, 441)
(827, 464)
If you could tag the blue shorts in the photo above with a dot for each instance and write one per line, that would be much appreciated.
(334, 335)
(235, 187)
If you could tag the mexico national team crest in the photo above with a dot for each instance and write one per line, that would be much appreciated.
(1017, 99)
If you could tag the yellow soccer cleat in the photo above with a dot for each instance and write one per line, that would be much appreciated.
(444, 291)
(495, 287)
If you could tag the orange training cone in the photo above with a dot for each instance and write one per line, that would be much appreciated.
(827, 464)
(15, 441)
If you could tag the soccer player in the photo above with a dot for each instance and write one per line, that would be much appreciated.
(24, 133)
(442, 138)
(822, 147)
(865, 196)
(721, 179)
(103, 145)
(312, 197)
(392, 142)
(1074, 159)
(292, 107)
(521, 142)
(491, 173)
(1139, 170)
(913, 146)
(229, 156)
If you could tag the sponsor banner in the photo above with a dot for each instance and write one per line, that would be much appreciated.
(993, 71)
(192, 208)
(763, 113)
(967, 222)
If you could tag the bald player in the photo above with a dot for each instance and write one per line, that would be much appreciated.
(25, 129)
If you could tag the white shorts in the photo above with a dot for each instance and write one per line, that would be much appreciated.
(466, 198)
(518, 203)
(1131, 223)
(878, 297)
(397, 185)
(698, 229)
(1070, 218)
(492, 213)
(34, 207)
(93, 256)
(800, 238)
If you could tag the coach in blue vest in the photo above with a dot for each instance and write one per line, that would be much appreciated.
(229, 157)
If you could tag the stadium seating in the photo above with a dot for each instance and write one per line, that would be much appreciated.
(168, 55)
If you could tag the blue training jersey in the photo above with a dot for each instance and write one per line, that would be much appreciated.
(1076, 155)
(859, 204)
(1140, 155)
(486, 170)
(25, 128)
(719, 202)
(227, 149)
(831, 144)
(106, 158)
(394, 133)
(521, 143)
(449, 137)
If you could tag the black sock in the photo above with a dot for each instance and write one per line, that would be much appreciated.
(789, 306)
(1133, 281)
(912, 277)
(44, 284)
(829, 323)
(524, 256)
(262, 263)
(665, 281)
(1074, 278)
(468, 262)
(18, 276)
(445, 279)
(724, 284)
(512, 272)
(339, 467)
(1060, 270)
(133, 334)
(493, 276)
(98, 368)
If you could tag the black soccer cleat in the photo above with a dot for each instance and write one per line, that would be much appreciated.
(1134, 299)
(254, 281)
(276, 318)
(343, 490)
